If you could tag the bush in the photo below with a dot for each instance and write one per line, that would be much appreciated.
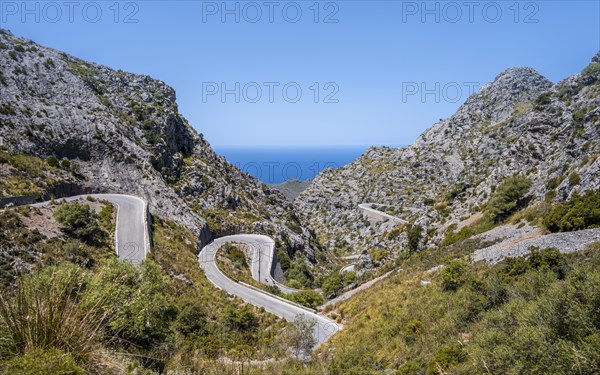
(481, 226)
(300, 337)
(413, 329)
(52, 161)
(284, 259)
(580, 212)
(142, 313)
(414, 237)
(550, 326)
(574, 179)
(65, 164)
(543, 99)
(332, 284)
(394, 233)
(81, 222)
(299, 275)
(235, 255)
(550, 258)
(508, 197)
(445, 357)
(454, 274)
(43, 362)
(348, 277)
(191, 318)
(240, 318)
(308, 298)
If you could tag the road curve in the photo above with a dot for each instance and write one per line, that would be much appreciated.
(324, 328)
(372, 213)
(262, 249)
(132, 239)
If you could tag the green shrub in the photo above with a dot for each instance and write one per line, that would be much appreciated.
(43, 362)
(235, 255)
(508, 197)
(553, 183)
(191, 318)
(65, 164)
(284, 259)
(240, 318)
(481, 226)
(378, 254)
(332, 284)
(414, 237)
(543, 99)
(549, 258)
(445, 357)
(308, 298)
(550, 326)
(348, 277)
(574, 179)
(580, 212)
(413, 329)
(52, 161)
(81, 222)
(454, 274)
(299, 274)
(142, 312)
(394, 233)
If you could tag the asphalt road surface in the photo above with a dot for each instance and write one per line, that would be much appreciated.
(324, 327)
(377, 215)
(262, 249)
(131, 234)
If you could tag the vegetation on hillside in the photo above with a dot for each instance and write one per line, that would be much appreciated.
(22, 174)
(477, 319)
(161, 315)
(508, 198)
(579, 212)
(81, 222)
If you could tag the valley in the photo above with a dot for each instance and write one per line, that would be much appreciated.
(129, 246)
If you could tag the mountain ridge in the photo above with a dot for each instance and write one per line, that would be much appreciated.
(122, 132)
(520, 123)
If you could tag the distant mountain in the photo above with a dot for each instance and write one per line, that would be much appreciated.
(519, 124)
(291, 188)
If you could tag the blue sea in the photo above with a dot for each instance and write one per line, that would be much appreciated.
(274, 165)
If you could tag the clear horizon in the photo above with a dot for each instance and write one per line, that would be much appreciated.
(230, 67)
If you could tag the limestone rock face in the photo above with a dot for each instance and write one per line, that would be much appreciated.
(122, 133)
(520, 123)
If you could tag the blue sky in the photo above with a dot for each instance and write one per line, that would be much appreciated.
(374, 61)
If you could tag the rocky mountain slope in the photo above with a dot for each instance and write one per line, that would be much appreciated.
(291, 188)
(519, 124)
(95, 129)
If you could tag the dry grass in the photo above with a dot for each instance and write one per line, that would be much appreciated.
(46, 312)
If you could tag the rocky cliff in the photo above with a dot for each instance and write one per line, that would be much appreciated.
(102, 130)
(520, 123)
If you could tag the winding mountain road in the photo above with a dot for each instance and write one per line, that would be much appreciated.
(132, 237)
(262, 249)
(371, 213)
(324, 327)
